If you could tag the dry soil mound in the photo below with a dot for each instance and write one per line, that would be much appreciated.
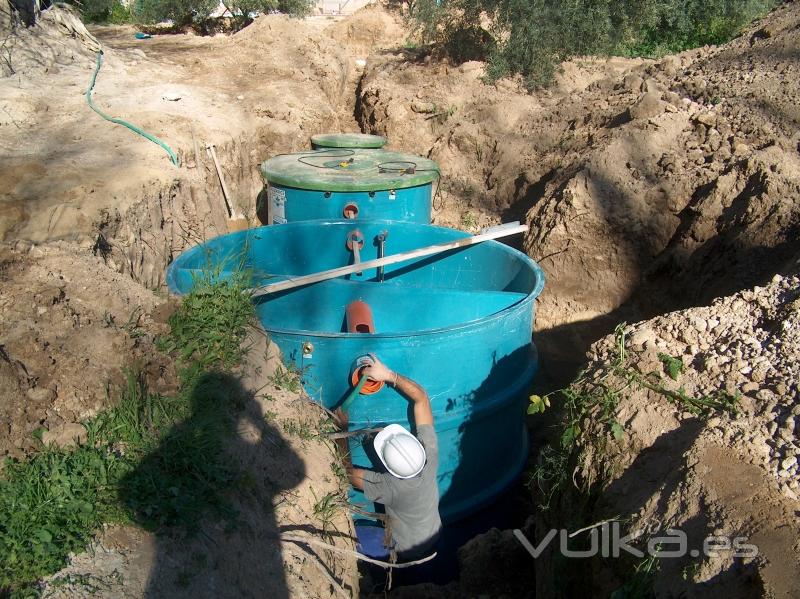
(647, 186)
(369, 29)
(37, 42)
(69, 326)
(732, 474)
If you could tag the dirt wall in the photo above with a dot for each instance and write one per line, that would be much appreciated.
(648, 186)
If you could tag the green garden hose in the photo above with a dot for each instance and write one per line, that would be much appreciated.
(172, 156)
(356, 390)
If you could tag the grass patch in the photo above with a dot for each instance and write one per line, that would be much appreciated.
(50, 506)
(153, 460)
(286, 378)
(326, 509)
(595, 400)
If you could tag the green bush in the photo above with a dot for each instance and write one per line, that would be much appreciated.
(243, 9)
(102, 11)
(188, 12)
(531, 37)
(297, 8)
(695, 24)
(181, 12)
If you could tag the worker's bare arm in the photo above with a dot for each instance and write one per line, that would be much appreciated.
(408, 388)
(356, 477)
(418, 396)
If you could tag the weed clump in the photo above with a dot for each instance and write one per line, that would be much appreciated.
(590, 405)
(150, 459)
(583, 455)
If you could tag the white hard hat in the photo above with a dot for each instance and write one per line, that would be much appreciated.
(400, 451)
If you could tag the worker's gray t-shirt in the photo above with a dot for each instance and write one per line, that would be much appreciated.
(412, 503)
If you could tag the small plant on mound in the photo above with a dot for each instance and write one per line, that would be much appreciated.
(597, 397)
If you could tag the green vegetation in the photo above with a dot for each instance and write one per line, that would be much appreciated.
(210, 325)
(103, 11)
(586, 456)
(150, 459)
(243, 9)
(181, 12)
(184, 13)
(468, 221)
(531, 37)
(590, 404)
(640, 584)
(286, 378)
(570, 472)
(326, 509)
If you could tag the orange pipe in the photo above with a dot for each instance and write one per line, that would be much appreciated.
(358, 315)
(370, 386)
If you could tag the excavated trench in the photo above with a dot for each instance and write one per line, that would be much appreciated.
(170, 217)
(167, 218)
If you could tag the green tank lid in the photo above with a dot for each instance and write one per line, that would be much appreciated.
(347, 140)
(349, 170)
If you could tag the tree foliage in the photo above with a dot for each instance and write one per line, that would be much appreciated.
(532, 37)
(185, 12)
(243, 10)
(181, 12)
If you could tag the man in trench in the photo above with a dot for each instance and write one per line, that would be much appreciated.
(408, 489)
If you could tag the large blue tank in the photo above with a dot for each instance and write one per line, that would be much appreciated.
(351, 183)
(459, 323)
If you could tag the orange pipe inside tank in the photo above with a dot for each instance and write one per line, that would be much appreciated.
(358, 316)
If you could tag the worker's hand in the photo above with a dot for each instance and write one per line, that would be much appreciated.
(342, 419)
(378, 371)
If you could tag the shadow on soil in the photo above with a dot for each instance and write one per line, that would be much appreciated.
(210, 498)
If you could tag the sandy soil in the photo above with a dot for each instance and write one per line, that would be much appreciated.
(70, 324)
(649, 187)
(91, 215)
(68, 174)
(290, 474)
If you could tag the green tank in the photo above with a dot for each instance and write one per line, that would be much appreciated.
(347, 140)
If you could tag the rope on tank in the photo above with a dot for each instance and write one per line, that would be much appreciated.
(403, 170)
(332, 153)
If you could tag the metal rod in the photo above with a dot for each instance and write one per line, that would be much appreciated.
(341, 271)
(381, 238)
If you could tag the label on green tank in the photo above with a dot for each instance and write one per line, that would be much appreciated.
(277, 205)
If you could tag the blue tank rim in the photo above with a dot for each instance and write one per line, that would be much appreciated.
(527, 300)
